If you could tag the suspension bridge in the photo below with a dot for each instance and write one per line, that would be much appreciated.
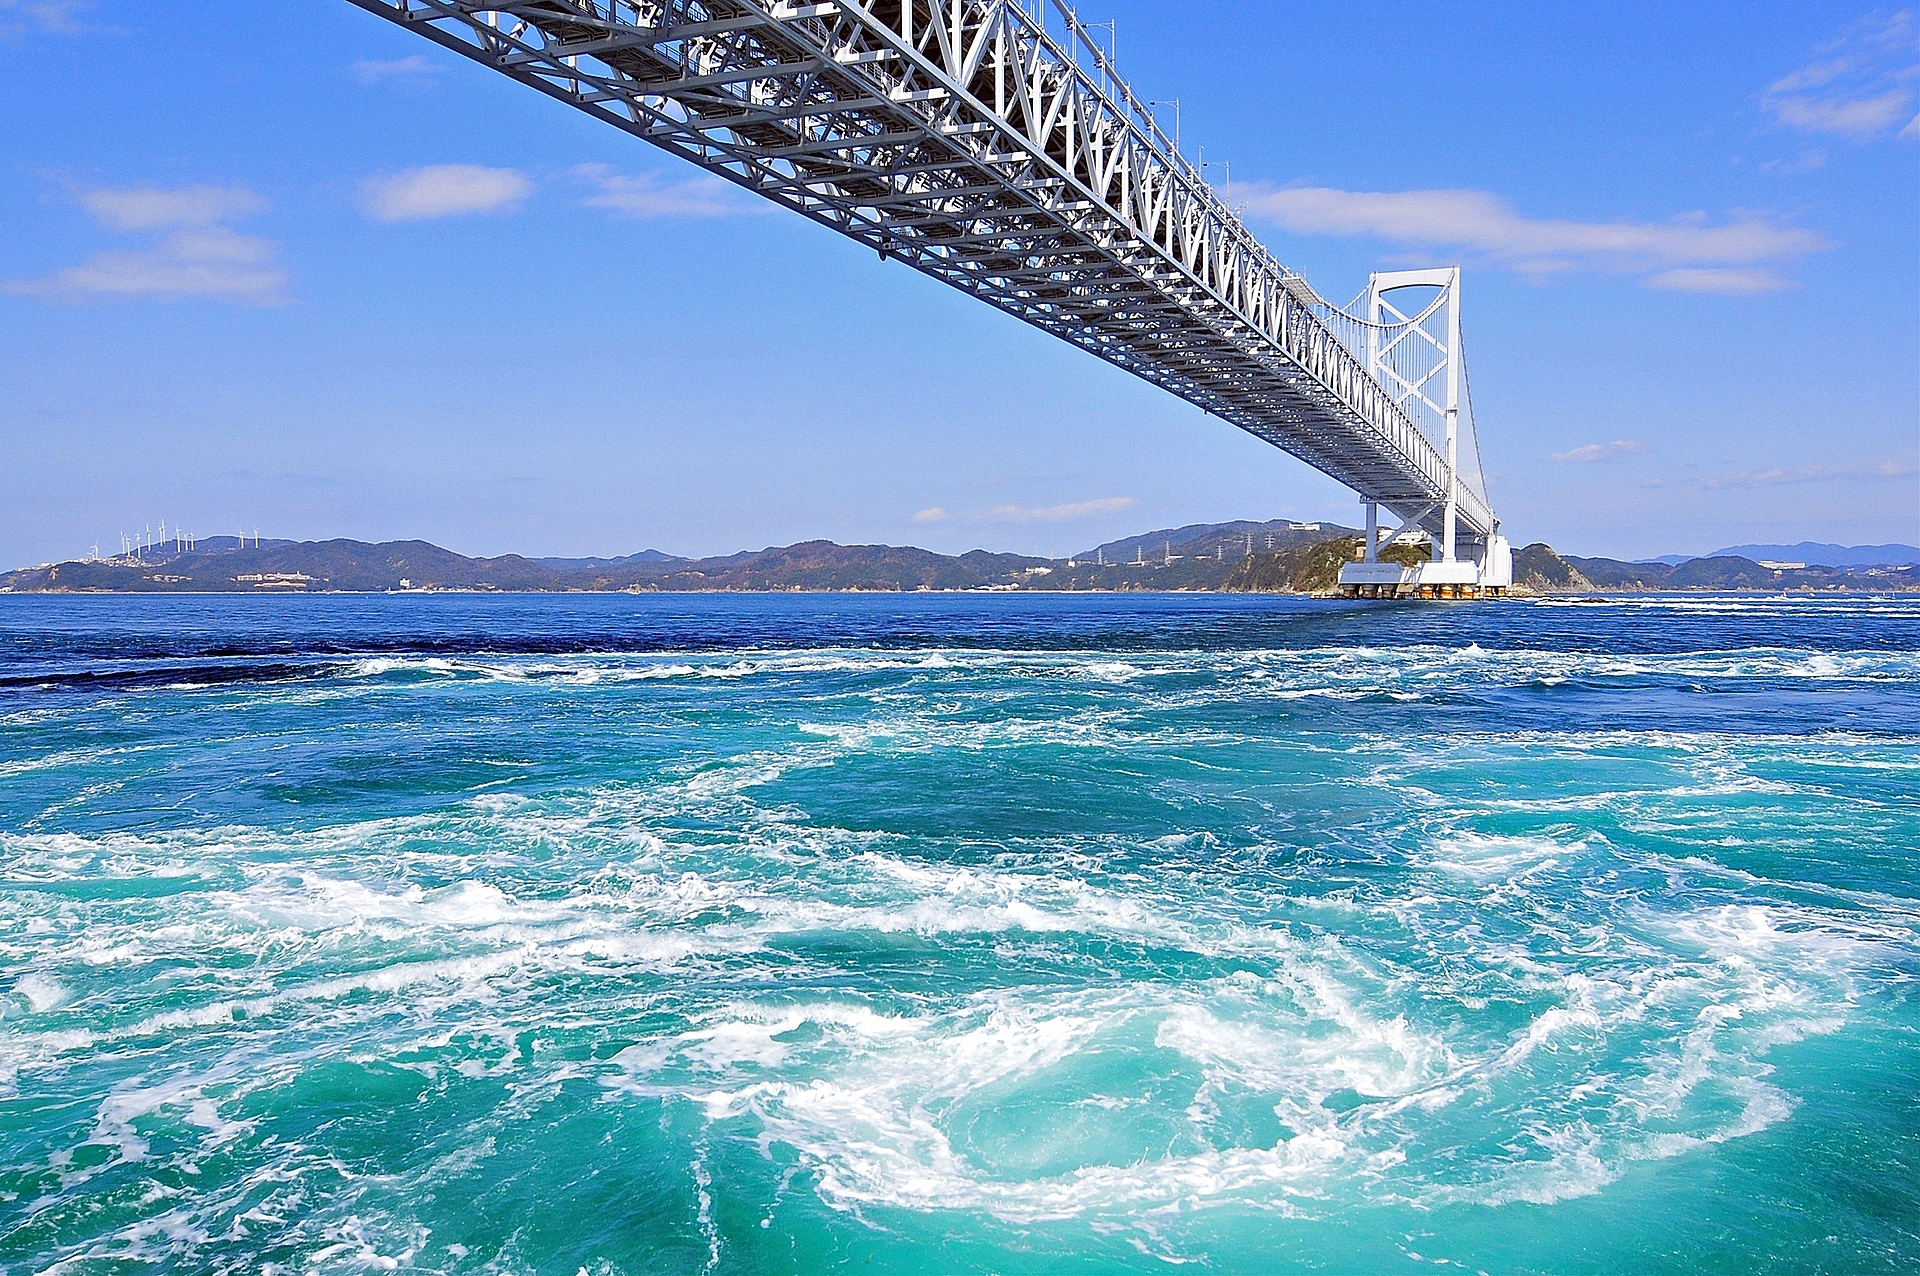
(992, 145)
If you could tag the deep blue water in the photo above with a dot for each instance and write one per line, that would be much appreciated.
(958, 933)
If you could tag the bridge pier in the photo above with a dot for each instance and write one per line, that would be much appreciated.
(1486, 576)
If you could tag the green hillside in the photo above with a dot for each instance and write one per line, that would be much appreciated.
(1211, 557)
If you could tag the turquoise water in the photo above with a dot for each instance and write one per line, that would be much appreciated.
(958, 934)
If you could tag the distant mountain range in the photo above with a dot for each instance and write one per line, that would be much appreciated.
(1812, 553)
(1277, 555)
(1200, 556)
(601, 564)
(1539, 569)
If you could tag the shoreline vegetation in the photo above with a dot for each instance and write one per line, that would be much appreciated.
(1243, 557)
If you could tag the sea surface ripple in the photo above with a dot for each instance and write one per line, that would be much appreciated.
(951, 933)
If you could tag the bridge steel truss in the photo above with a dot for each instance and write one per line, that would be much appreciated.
(966, 138)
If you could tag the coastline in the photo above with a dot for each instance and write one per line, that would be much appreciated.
(1517, 593)
(1275, 557)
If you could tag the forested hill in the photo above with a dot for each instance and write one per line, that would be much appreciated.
(1200, 556)
(1234, 557)
(1539, 569)
(356, 566)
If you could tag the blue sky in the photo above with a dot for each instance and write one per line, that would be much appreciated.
(290, 267)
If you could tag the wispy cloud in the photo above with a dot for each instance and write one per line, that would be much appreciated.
(1588, 452)
(414, 69)
(1480, 222)
(1057, 513)
(201, 257)
(1805, 162)
(157, 207)
(214, 262)
(934, 515)
(18, 17)
(1855, 117)
(1888, 468)
(443, 190)
(1858, 85)
(1729, 281)
(649, 195)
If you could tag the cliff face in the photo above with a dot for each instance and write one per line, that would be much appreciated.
(1308, 569)
(1539, 570)
(1303, 569)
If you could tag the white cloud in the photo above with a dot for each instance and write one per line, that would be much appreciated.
(1807, 162)
(1890, 467)
(934, 515)
(1599, 451)
(211, 262)
(1057, 513)
(649, 195)
(155, 208)
(1730, 281)
(1858, 85)
(1477, 221)
(17, 17)
(200, 258)
(1857, 117)
(443, 190)
(413, 69)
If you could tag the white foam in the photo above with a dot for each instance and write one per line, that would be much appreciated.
(1369, 669)
(1578, 1164)
(1486, 858)
(1639, 1025)
(1116, 671)
(1546, 1028)
(874, 1124)
(42, 992)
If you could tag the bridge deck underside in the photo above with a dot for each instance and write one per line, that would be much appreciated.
(966, 144)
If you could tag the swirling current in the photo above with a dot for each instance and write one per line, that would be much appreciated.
(958, 933)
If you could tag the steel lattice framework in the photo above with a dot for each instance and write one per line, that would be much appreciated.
(967, 139)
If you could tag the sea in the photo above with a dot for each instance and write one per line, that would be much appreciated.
(959, 933)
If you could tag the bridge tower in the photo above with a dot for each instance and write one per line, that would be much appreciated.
(1415, 351)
